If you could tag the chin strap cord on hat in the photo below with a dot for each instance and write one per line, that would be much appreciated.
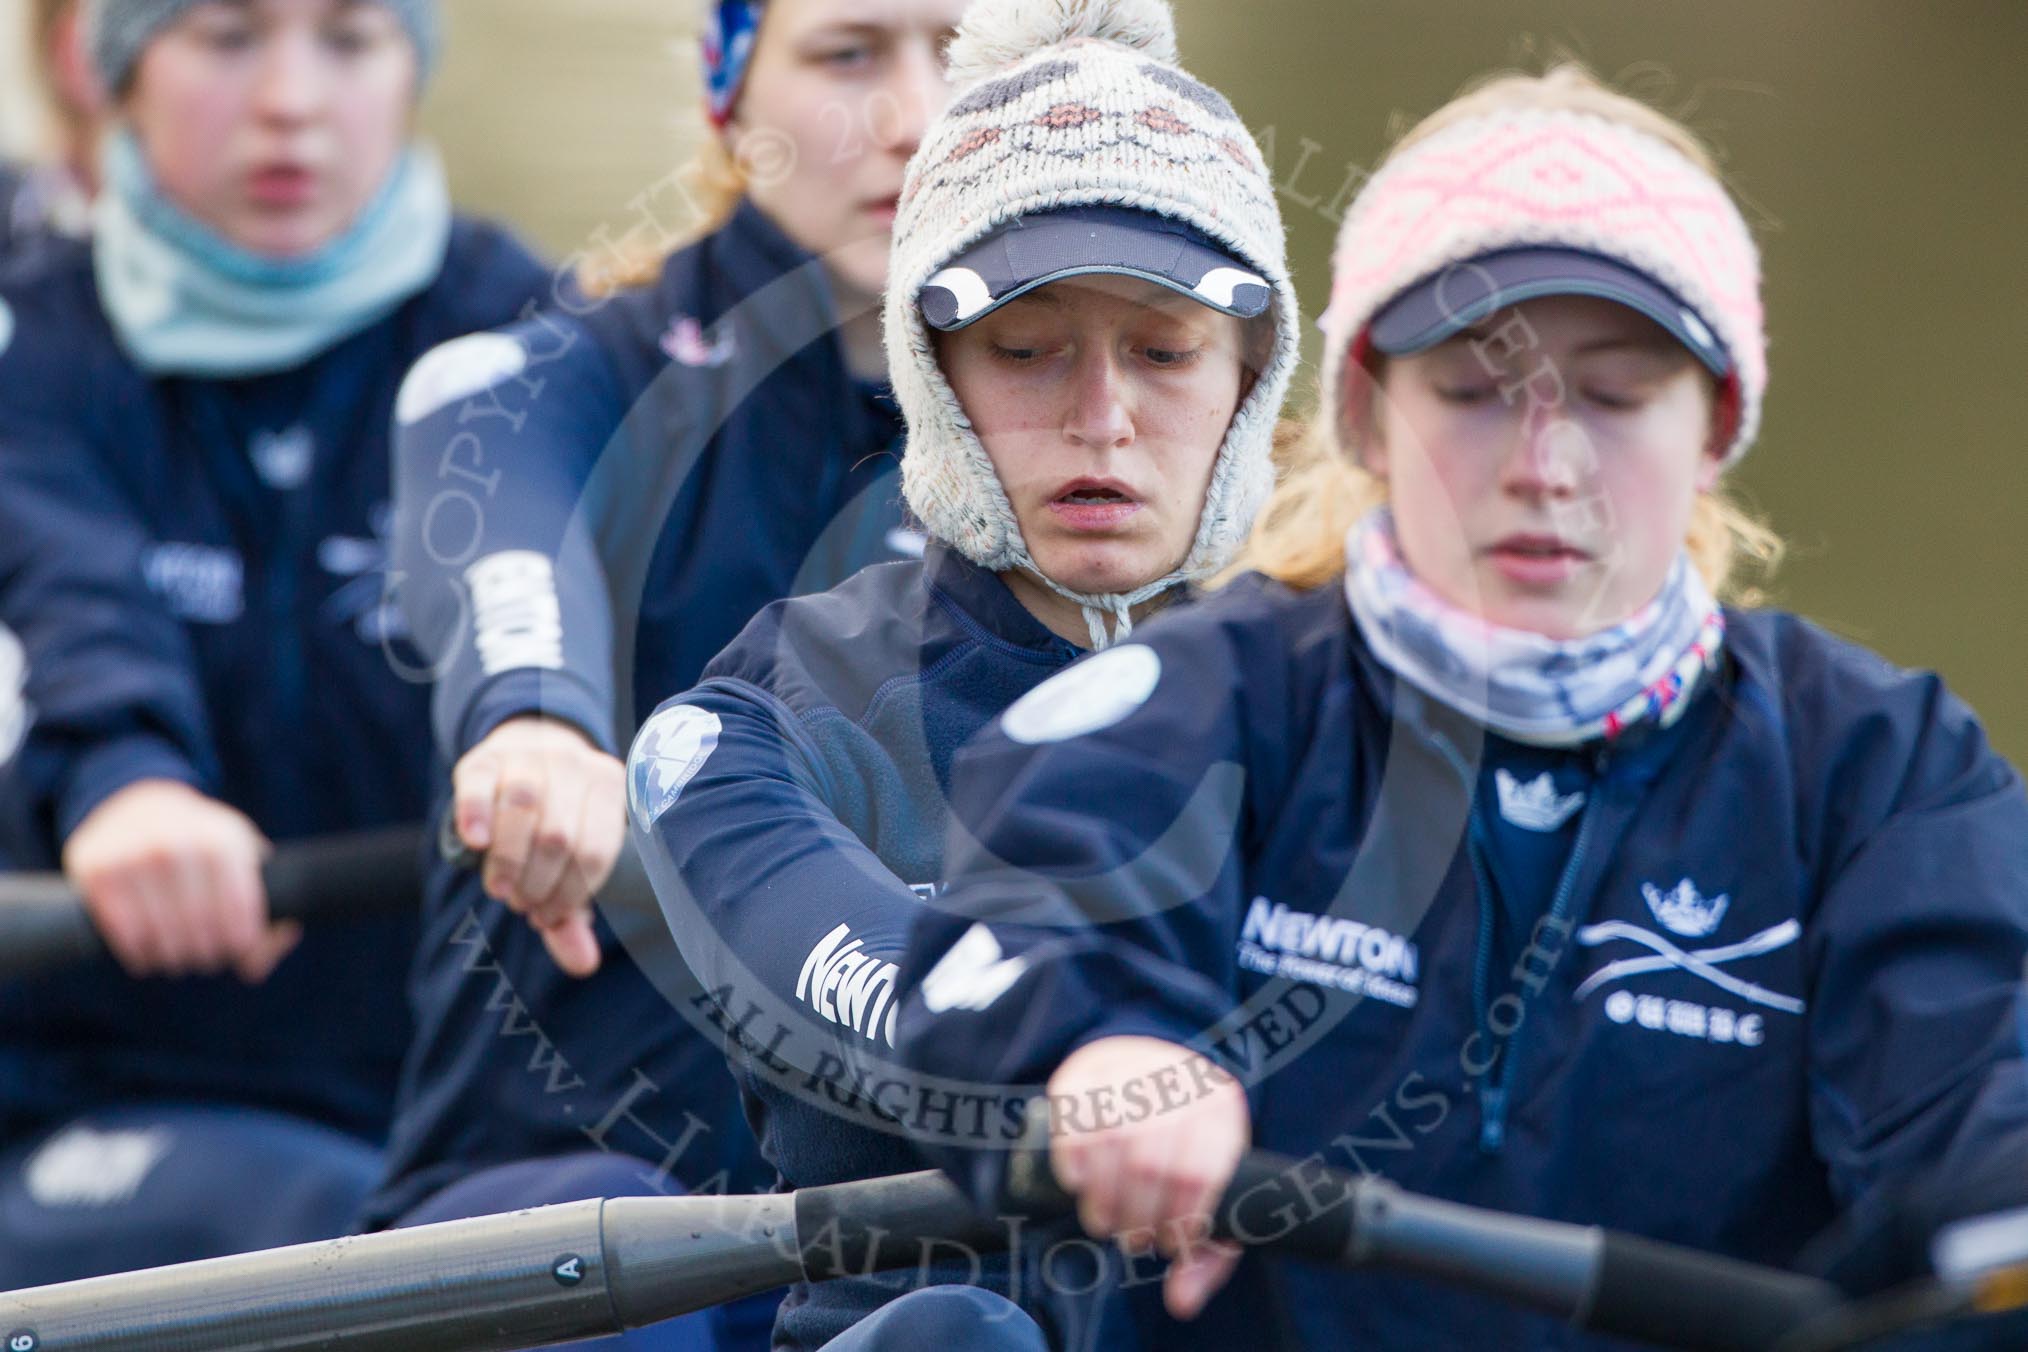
(1094, 620)
(1097, 606)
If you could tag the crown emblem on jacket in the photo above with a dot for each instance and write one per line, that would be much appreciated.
(690, 343)
(1683, 910)
(1535, 805)
(283, 459)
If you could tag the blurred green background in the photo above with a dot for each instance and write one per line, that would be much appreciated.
(1881, 147)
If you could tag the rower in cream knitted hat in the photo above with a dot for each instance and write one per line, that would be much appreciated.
(1076, 145)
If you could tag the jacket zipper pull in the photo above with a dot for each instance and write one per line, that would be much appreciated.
(1493, 1122)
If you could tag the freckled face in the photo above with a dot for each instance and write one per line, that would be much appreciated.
(1102, 402)
(1543, 466)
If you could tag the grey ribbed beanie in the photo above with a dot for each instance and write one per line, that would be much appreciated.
(117, 31)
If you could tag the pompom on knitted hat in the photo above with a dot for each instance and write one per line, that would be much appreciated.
(1547, 177)
(118, 31)
(1077, 103)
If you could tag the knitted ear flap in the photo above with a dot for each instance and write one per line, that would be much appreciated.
(1068, 103)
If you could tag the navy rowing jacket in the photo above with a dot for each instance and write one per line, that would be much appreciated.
(36, 206)
(19, 217)
(18, 847)
(195, 569)
(591, 505)
(1767, 961)
(791, 810)
(12, 181)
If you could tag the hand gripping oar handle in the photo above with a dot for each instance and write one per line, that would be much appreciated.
(627, 899)
(44, 925)
(496, 1283)
(1599, 1280)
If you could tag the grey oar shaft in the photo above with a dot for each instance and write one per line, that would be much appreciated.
(493, 1283)
(479, 1285)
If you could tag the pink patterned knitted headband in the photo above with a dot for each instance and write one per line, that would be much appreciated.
(1549, 178)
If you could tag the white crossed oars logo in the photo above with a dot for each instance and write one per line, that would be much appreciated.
(1701, 962)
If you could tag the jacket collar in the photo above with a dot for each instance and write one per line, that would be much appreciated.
(986, 605)
(748, 284)
(750, 252)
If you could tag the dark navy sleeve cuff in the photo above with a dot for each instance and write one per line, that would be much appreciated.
(536, 693)
(111, 766)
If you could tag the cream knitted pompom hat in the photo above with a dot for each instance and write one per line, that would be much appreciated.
(1067, 104)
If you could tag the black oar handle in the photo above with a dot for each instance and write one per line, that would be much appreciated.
(627, 896)
(1673, 1296)
(1298, 1208)
(44, 925)
(1601, 1281)
(881, 1224)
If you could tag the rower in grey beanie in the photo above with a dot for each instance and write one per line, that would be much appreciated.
(118, 30)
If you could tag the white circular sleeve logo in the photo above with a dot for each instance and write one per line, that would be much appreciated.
(458, 370)
(671, 749)
(14, 711)
(6, 327)
(1095, 694)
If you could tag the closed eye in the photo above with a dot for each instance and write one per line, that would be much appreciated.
(225, 34)
(350, 39)
(846, 58)
(1611, 400)
(1464, 396)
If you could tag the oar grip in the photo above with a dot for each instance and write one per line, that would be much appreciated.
(881, 1224)
(45, 927)
(1700, 1302)
(1298, 1207)
(345, 877)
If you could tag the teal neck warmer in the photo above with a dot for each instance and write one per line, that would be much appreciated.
(185, 301)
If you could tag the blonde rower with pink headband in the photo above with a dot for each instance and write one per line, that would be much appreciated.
(1484, 836)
